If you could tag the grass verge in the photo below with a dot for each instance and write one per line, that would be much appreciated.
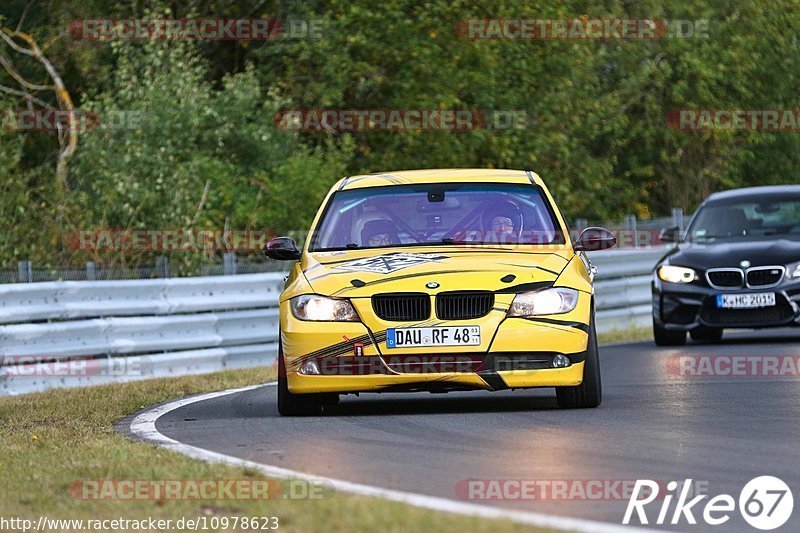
(50, 440)
(625, 335)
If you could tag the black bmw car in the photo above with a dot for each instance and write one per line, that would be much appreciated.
(736, 266)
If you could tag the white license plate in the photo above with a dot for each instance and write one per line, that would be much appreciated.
(746, 301)
(437, 336)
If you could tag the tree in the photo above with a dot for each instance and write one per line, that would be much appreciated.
(188, 156)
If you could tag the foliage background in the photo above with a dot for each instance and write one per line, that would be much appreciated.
(207, 154)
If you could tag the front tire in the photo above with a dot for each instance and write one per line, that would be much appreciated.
(589, 393)
(667, 337)
(294, 404)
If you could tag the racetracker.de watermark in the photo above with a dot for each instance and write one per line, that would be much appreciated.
(734, 119)
(77, 120)
(196, 489)
(195, 29)
(532, 237)
(556, 489)
(733, 366)
(377, 120)
(38, 366)
(581, 29)
(169, 240)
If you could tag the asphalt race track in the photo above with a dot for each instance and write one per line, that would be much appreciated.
(722, 431)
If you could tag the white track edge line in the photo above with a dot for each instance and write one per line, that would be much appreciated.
(143, 426)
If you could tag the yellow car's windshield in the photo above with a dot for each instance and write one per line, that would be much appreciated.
(441, 214)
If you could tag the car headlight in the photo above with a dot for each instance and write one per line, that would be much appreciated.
(320, 308)
(793, 272)
(545, 302)
(676, 274)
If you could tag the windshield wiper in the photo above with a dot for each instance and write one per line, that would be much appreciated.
(352, 245)
(699, 238)
(703, 237)
(450, 240)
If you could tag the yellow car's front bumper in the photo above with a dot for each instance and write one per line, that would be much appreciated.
(338, 347)
(556, 377)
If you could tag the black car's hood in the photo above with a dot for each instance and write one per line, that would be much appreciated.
(732, 253)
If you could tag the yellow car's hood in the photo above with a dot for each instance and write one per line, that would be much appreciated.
(362, 273)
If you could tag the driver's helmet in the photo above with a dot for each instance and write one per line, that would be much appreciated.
(502, 216)
(379, 232)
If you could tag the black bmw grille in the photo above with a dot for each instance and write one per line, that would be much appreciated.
(463, 305)
(757, 277)
(725, 278)
(401, 307)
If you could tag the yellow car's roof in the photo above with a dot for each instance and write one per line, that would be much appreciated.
(439, 175)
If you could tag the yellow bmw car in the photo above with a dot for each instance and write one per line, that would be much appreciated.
(437, 280)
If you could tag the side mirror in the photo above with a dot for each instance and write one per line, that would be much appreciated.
(282, 249)
(670, 234)
(593, 238)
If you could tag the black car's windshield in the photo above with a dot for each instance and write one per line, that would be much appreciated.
(439, 214)
(747, 218)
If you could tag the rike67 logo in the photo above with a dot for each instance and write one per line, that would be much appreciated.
(765, 503)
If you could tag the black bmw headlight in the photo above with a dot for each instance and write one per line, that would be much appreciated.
(793, 271)
(676, 274)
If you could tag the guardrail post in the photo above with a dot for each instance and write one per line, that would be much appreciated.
(229, 263)
(25, 272)
(630, 225)
(677, 218)
(162, 267)
(91, 271)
